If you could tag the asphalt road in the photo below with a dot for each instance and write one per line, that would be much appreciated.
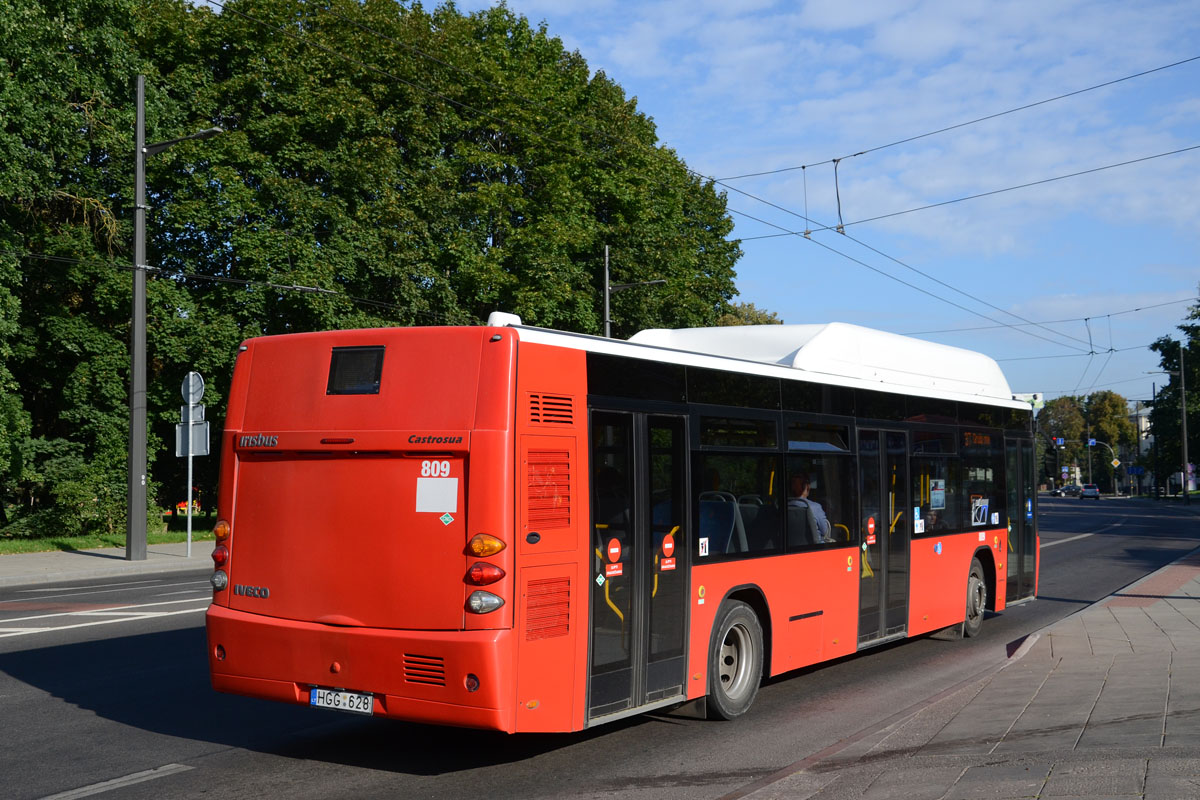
(104, 681)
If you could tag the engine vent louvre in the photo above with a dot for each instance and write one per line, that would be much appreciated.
(549, 409)
(548, 608)
(548, 482)
(429, 670)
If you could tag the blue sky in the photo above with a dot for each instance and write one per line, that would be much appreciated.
(743, 87)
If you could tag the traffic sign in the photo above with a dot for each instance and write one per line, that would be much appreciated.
(199, 440)
(193, 388)
(1091, 442)
(1116, 462)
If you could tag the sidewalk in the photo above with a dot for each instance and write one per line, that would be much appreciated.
(1102, 704)
(31, 568)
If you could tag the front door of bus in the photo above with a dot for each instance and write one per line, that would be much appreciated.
(639, 558)
(1022, 532)
(885, 526)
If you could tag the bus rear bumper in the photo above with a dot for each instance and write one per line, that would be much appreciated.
(418, 676)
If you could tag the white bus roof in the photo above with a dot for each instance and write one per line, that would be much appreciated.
(834, 352)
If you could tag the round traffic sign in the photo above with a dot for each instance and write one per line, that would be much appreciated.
(193, 388)
(668, 545)
(614, 550)
(870, 525)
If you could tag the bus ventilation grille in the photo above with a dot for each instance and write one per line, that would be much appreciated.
(548, 409)
(548, 473)
(429, 670)
(548, 608)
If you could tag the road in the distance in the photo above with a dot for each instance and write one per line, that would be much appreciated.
(88, 704)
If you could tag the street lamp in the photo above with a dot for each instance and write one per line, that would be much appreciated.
(135, 531)
(612, 288)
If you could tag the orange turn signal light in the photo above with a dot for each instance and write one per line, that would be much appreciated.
(484, 544)
(221, 530)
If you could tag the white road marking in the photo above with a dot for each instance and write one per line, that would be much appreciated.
(132, 609)
(73, 588)
(1064, 541)
(94, 590)
(26, 631)
(120, 783)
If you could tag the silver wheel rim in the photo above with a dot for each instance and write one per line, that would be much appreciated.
(736, 660)
(976, 599)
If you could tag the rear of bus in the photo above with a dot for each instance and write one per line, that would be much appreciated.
(365, 560)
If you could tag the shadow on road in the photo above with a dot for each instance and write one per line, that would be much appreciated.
(159, 683)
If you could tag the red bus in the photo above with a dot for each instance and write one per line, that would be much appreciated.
(519, 529)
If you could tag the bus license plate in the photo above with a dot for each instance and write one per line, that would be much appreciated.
(355, 702)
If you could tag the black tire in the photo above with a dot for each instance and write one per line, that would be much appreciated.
(976, 600)
(735, 661)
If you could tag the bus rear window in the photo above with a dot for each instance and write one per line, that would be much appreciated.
(355, 370)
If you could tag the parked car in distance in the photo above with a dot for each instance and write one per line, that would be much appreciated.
(1090, 490)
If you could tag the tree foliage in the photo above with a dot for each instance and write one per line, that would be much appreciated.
(1165, 413)
(1102, 416)
(382, 164)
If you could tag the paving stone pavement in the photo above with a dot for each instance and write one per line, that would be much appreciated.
(1103, 704)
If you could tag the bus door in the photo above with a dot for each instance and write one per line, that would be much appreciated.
(885, 528)
(1022, 512)
(640, 561)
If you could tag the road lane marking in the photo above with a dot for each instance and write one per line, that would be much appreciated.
(27, 631)
(132, 609)
(73, 588)
(120, 783)
(1064, 541)
(95, 591)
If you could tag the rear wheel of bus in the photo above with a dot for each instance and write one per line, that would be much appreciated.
(976, 600)
(735, 661)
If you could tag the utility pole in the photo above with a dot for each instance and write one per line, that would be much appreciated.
(613, 288)
(135, 510)
(1187, 497)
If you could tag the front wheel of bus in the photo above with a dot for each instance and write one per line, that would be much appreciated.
(735, 661)
(976, 600)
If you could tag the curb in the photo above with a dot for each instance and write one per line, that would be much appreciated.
(118, 569)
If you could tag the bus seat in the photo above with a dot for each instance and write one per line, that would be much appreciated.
(800, 533)
(716, 524)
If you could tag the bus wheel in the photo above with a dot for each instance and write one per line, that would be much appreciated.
(735, 661)
(976, 600)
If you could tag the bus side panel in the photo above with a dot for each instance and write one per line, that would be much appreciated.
(813, 602)
(551, 528)
(938, 586)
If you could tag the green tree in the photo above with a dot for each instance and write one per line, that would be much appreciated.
(748, 314)
(1165, 416)
(382, 165)
(1107, 417)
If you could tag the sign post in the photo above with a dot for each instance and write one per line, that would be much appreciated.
(193, 428)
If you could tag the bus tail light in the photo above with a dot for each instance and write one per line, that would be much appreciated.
(484, 544)
(481, 602)
(219, 580)
(221, 530)
(220, 555)
(481, 574)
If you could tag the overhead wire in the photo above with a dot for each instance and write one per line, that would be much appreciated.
(956, 126)
(1059, 321)
(1041, 182)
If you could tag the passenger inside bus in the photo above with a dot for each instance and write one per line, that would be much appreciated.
(807, 523)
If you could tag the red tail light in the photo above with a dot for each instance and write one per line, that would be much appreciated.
(220, 555)
(481, 574)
